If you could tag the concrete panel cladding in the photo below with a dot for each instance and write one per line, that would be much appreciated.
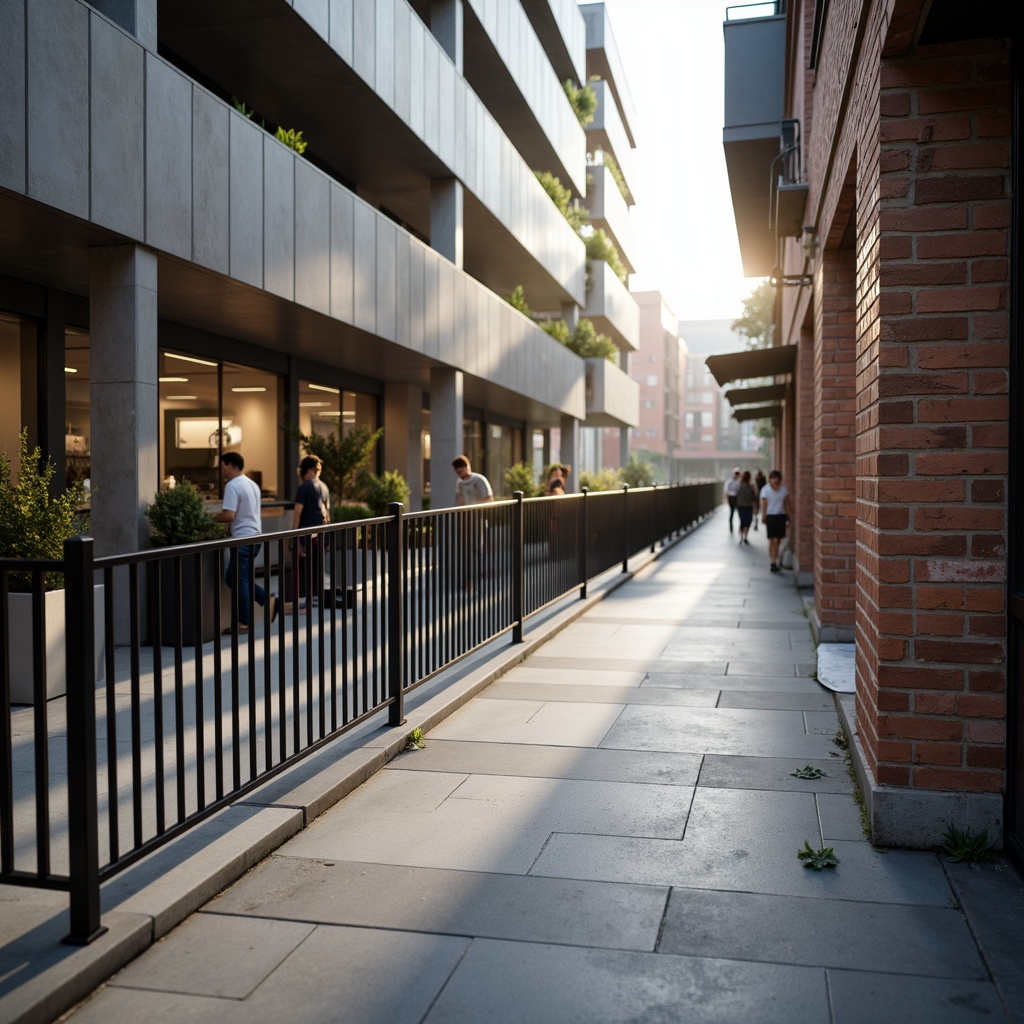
(210, 181)
(58, 104)
(117, 119)
(168, 158)
(278, 218)
(312, 238)
(245, 141)
(12, 87)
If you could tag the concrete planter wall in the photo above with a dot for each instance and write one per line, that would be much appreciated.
(23, 656)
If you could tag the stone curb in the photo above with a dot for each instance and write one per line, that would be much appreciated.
(144, 903)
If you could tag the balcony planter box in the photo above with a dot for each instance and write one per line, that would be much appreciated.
(23, 656)
(214, 592)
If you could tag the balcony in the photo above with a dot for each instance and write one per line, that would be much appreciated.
(608, 211)
(603, 60)
(755, 51)
(560, 30)
(611, 308)
(608, 133)
(613, 398)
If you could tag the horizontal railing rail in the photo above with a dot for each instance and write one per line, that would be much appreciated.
(194, 674)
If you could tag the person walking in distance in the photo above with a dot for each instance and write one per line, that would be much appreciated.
(759, 484)
(470, 488)
(746, 503)
(775, 511)
(241, 511)
(312, 508)
(732, 485)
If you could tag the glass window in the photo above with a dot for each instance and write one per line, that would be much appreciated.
(77, 405)
(11, 328)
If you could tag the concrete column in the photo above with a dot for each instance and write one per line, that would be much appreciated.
(569, 449)
(624, 447)
(446, 218)
(447, 27)
(546, 449)
(403, 423)
(571, 314)
(445, 434)
(123, 394)
(135, 16)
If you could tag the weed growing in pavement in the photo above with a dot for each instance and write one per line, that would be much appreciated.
(840, 740)
(808, 772)
(964, 846)
(819, 859)
(415, 740)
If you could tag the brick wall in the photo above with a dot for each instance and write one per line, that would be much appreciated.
(834, 441)
(932, 398)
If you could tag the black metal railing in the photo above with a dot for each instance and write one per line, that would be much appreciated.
(166, 719)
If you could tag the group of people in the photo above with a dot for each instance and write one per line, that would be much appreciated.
(747, 496)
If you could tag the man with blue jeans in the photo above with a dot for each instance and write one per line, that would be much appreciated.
(242, 514)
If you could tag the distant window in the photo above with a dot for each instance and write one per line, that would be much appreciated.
(706, 419)
(707, 437)
(652, 380)
(649, 403)
(652, 432)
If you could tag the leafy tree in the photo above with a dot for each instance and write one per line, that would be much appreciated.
(637, 472)
(34, 523)
(343, 456)
(520, 478)
(757, 324)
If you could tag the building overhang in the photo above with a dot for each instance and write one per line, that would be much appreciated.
(756, 362)
(758, 412)
(754, 395)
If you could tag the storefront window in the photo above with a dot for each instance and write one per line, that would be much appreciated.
(11, 329)
(77, 406)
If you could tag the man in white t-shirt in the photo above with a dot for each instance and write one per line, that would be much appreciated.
(732, 486)
(775, 511)
(471, 488)
(242, 514)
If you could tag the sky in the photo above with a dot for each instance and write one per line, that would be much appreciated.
(686, 232)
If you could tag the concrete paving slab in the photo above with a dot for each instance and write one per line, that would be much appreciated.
(523, 759)
(533, 673)
(748, 684)
(821, 723)
(581, 694)
(520, 721)
(449, 902)
(840, 818)
(715, 731)
(509, 983)
(898, 939)
(632, 664)
(771, 700)
(210, 955)
(723, 771)
(748, 842)
(777, 667)
(359, 975)
(896, 999)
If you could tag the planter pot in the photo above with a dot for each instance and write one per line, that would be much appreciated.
(23, 657)
(213, 591)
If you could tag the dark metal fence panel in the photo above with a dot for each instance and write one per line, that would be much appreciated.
(187, 718)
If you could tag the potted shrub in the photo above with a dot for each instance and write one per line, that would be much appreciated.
(34, 524)
(178, 516)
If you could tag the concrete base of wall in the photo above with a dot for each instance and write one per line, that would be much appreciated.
(916, 818)
(830, 634)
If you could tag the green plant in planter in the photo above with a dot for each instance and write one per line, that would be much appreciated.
(178, 516)
(601, 247)
(381, 491)
(637, 472)
(33, 522)
(343, 457)
(520, 478)
(583, 100)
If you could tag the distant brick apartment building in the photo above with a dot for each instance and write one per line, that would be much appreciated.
(887, 130)
(686, 430)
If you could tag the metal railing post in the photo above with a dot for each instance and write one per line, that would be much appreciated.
(396, 625)
(656, 531)
(625, 528)
(581, 543)
(83, 826)
(518, 570)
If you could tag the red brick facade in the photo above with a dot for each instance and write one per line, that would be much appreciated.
(908, 167)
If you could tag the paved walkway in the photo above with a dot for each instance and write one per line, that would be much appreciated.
(607, 833)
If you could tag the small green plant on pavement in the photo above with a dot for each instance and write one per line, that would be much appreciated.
(415, 740)
(808, 772)
(964, 846)
(824, 857)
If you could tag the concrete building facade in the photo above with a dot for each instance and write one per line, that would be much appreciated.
(887, 129)
(176, 281)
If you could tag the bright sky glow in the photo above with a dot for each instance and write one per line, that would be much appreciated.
(686, 232)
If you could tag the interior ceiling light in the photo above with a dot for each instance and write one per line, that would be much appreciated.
(70, 369)
(315, 405)
(173, 380)
(240, 390)
(181, 398)
(324, 387)
(189, 359)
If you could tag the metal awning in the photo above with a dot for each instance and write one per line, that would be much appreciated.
(755, 362)
(751, 396)
(758, 412)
